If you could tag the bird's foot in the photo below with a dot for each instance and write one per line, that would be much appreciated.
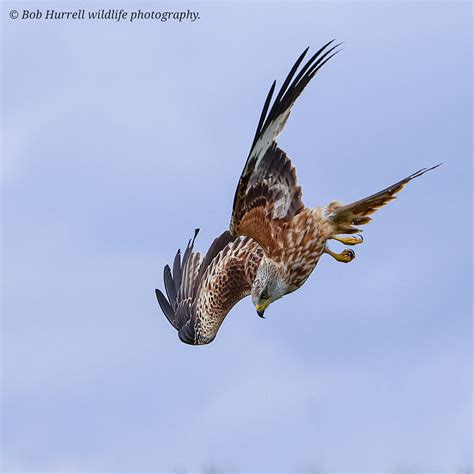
(345, 256)
(358, 239)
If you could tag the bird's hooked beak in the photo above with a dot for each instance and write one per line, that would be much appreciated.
(262, 307)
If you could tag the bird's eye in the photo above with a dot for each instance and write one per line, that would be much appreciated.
(264, 295)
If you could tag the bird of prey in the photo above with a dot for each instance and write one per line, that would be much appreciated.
(274, 241)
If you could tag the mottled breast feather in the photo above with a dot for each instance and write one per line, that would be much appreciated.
(201, 294)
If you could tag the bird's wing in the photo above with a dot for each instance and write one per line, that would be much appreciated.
(200, 293)
(268, 193)
(272, 197)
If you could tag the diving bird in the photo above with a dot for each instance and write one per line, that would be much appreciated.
(274, 241)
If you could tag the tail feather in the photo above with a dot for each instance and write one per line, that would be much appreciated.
(346, 217)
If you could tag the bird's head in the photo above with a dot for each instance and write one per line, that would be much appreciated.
(268, 286)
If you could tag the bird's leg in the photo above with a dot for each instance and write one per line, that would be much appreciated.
(345, 256)
(358, 239)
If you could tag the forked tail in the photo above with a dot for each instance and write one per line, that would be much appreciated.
(347, 217)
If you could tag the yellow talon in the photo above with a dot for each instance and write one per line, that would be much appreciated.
(358, 239)
(345, 256)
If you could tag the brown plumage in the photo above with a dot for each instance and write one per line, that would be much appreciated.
(346, 216)
(274, 241)
(201, 293)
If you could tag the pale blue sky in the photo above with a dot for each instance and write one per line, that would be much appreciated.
(120, 139)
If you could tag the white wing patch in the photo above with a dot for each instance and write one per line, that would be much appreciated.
(282, 204)
(269, 136)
